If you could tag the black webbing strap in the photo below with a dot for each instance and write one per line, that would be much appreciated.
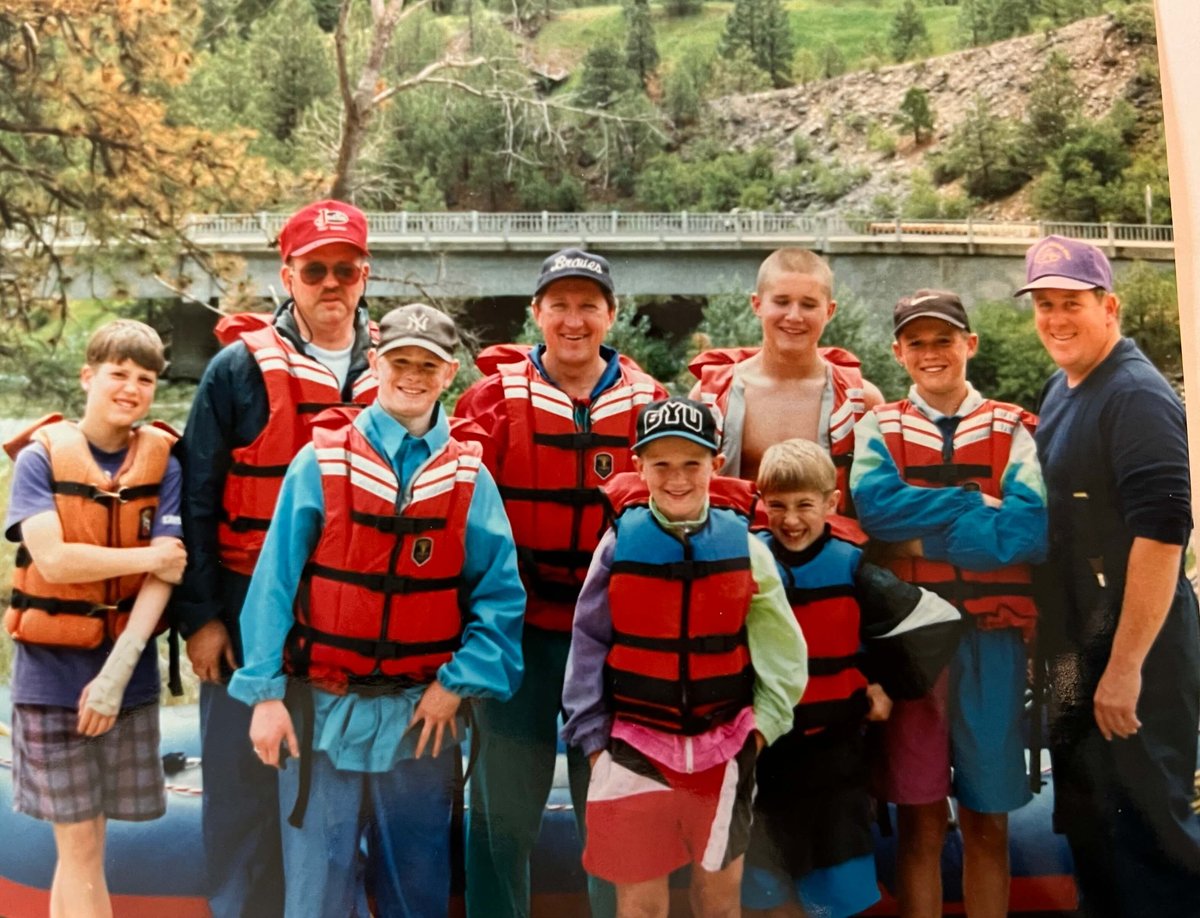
(581, 441)
(832, 666)
(318, 407)
(300, 693)
(174, 679)
(22, 601)
(96, 493)
(570, 497)
(398, 525)
(382, 583)
(799, 596)
(378, 650)
(712, 643)
(551, 557)
(681, 570)
(257, 471)
(249, 524)
(949, 473)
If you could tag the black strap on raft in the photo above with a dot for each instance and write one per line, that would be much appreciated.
(300, 693)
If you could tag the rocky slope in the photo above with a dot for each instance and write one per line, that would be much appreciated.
(836, 115)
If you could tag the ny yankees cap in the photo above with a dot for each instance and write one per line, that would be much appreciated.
(677, 417)
(930, 304)
(320, 224)
(575, 263)
(1065, 264)
(419, 325)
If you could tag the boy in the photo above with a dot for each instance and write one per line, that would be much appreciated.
(790, 387)
(949, 482)
(811, 849)
(95, 507)
(386, 594)
(684, 662)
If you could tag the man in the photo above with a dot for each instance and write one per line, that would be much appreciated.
(252, 412)
(562, 418)
(387, 592)
(791, 386)
(1121, 620)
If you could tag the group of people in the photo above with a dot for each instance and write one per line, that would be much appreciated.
(757, 610)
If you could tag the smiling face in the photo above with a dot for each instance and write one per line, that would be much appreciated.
(325, 308)
(574, 318)
(794, 310)
(410, 381)
(677, 471)
(934, 354)
(1078, 328)
(797, 518)
(118, 394)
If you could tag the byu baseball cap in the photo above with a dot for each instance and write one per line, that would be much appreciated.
(677, 417)
(1065, 264)
(930, 304)
(419, 325)
(575, 263)
(321, 224)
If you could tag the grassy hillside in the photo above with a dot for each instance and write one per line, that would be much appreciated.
(849, 24)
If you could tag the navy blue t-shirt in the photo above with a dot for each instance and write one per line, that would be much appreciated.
(53, 675)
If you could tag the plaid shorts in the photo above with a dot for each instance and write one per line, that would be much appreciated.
(63, 777)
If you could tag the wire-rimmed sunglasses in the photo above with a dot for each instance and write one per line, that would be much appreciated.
(344, 272)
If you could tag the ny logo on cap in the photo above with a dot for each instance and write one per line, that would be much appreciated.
(327, 219)
(1051, 253)
(418, 323)
(674, 415)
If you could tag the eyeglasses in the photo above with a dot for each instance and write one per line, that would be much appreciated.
(344, 272)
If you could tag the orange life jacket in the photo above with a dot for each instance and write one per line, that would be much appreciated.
(1001, 598)
(715, 370)
(378, 603)
(680, 660)
(298, 388)
(115, 512)
(550, 478)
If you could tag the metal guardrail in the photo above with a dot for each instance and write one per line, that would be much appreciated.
(217, 229)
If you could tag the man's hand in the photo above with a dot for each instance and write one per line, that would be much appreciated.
(171, 561)
(880, 701)
(1115, 702)
(207, 648)
(270, 726)
(436, 708)
(91, 723)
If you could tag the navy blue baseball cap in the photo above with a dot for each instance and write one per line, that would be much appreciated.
(677, 417)
(576, 263)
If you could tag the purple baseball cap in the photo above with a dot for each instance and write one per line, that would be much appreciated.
(1065, 264)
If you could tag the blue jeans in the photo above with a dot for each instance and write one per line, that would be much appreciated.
(405, 814)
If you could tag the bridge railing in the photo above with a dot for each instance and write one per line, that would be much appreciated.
(218, 229)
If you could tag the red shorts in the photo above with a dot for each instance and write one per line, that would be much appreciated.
(644, 820)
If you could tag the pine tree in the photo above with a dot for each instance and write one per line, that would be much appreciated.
(1008, 18)
(641, 49)
(973, 21)
(915, 113)
(908, 33)
(761, 27)
(1054, 106)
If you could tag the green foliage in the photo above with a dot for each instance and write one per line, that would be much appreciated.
(736, 73)
(864, 329)
(881, 140)
(1011, 364)
(683, 7)
(1008, 18)
(1137, 22)
(681, 99)
(1082, 175)
(925, 202)
(605, 76)
(973, 26)
(915, 113)
(712, 179)
(1150, 313)
(1054, 107)
(985, 151)
(761, 27)
(831, 62)
(641, 50)
(728, 321)
(908, 36)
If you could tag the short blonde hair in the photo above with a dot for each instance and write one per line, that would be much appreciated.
(126, 339)
(796, 465)
(795, 261)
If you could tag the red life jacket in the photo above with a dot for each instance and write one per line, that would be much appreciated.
(823, 597)
(715, 370)
(680, 660)
(1002, 598)
(94, 509)
(298, 388)
(550, 477)
(378, 603)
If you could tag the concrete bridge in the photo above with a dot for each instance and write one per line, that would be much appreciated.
(472, 255)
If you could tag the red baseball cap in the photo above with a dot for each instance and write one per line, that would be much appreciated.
(323, 223)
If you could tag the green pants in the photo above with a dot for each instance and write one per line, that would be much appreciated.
(511, 782)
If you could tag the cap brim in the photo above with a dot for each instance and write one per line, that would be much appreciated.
(1056, 282)
(415, 342)
(931, 315)
(330, 240)
(582, 275)
(682, 435)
